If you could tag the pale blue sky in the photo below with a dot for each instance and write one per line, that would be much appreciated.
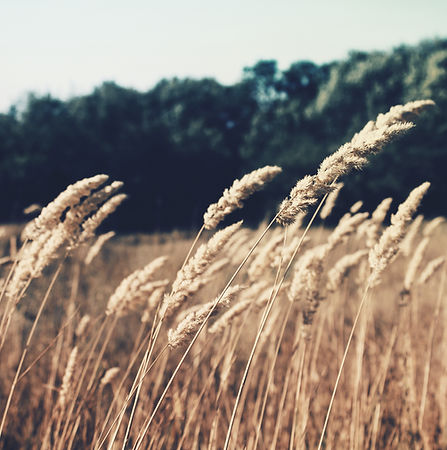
(67, 47)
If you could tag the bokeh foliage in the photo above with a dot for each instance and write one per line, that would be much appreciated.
(178, 145)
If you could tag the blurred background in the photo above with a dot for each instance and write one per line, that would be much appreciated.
(179, 99)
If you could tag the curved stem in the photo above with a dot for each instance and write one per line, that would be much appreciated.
(157, 406)
(27, 344)
(337, 381)
(192, 246)
(263, 321)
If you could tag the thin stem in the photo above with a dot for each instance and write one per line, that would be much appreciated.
(65, 325)
(142, 367)
(192, 246)
(141, 370)
(263, 321)
(337, 381)
(27, 344)
(81, 379)
(130, 395)
(11, 270)
(431, 334)
(270, 376)
(139, 441)
(132, 361)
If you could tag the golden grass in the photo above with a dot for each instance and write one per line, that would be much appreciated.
(332, 338)
(375, 403)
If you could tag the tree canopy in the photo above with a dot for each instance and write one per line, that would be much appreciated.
(178, 145)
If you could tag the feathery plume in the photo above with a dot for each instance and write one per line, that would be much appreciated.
(93, 222)
(136, 287)
(431, 269)
(223, 322)
(352, 155)
(342, 267)
(264, 256)
(304, 194)
(403, 112)
(68, 374)
(414, 264)
(346, 226)
(33, 256)
(96, 247)
(78, 216)
(285, 255)
(407, 242)
(240, 189)
(191, 323)
(50, 232)
(356, 207)
(109, 376)
(371, 227)
(188, 280)
(152, 303)
(432, 225)
(330, 201)
(82, 325)
(306, 281)
(388, 246)
(51, 214)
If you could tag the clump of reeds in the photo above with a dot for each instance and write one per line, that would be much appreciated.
(179, 372)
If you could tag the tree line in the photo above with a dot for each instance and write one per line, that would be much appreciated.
(178, 145)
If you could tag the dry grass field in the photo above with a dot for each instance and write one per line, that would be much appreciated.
(286, 336)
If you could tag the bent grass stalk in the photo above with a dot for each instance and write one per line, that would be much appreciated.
(270, 377)
(342, 364)
(53, 341)
(264, 320)
(188, 349)
(27, 344)
(11, 271)
(142, 369)
(132, 361)
(83, 374)
(127, 400)
(430, 340)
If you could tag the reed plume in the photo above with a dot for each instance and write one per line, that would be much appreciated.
(406, 245)
(50, 215)
(431, 226)
(97, 246)
(432, 267)
(188, 327)
(240, 190)
(66, 380)
(342, 267)
(82, 325)
(371, 227)
(109, 376)
(388, 246)
(330, 201)
(352, 155)
(356, 207)
(136, 287)
(413, 266)
(187, 280)
(92, 223)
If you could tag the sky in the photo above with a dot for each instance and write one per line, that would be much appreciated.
(67, 47)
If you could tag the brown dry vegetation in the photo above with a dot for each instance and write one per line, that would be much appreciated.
(127, 380)
(372, 403)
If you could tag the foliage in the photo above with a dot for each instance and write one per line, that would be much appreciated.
(168, 142)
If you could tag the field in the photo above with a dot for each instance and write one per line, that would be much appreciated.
(292, 335)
